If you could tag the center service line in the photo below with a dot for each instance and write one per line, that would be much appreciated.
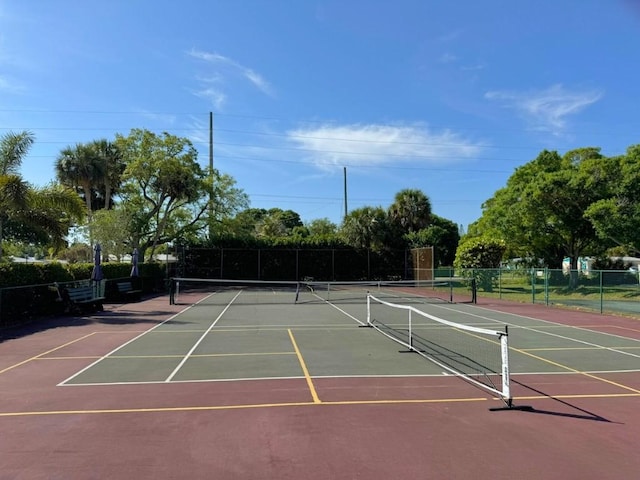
(186, 357)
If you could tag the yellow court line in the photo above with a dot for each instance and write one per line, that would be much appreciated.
(87, 357)
(45, 353)
(241, 407)
(307, 377)
(299, 404)
(590, 375)
(134, 357)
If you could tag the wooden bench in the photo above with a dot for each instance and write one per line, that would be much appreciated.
(125, 289)
(82, 298)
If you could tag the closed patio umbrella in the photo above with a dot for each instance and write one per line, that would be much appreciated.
(134, 263)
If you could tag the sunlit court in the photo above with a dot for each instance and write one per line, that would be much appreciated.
(359, 378)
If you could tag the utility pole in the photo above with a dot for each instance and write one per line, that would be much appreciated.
(345, 192)
(211, 195)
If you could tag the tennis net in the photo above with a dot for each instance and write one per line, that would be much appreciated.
(189, 291)
(222, 291)
(479, 355)
(449, 289)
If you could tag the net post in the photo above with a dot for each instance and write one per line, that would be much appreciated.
(410, 332)
(172, 299)
(504, 350)
(369, 324)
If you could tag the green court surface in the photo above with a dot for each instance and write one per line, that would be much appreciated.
(224, 340)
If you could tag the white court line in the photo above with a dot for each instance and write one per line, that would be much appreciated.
(186, 357)
(543, 332)
(127, 343)
(339, 309)
(329, 377)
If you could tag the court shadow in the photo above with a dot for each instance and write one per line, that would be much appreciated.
(42, 324)
(127, 318)
(578, 413)
(106, 317)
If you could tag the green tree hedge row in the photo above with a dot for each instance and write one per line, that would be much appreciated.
(18, 274)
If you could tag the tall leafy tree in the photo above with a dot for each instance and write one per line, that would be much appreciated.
(540, 213)
(442, 235)
(616, 216)
(322, 227)
(278, 223)
(165, 190)
(244, 223)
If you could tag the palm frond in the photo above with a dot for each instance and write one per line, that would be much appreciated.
(13, 148)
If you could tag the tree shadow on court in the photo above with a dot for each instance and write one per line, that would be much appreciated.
(127, 318)
(42, 324)
(578, 412)
(106, 317)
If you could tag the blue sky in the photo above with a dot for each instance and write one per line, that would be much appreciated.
(445, 97)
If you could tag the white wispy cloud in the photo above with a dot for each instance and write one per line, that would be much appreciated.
(213, 95)
(225, 66)
(548, 109)
(378, 145)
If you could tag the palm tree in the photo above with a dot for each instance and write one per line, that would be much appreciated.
(13, 190)
(365, 227)
(111, 158)
(80, 167)
(46, 216)
(39, 215)
(411, 210)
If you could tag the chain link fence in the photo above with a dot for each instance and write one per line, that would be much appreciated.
(603, 291)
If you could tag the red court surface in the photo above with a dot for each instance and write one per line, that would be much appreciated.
(581, 425)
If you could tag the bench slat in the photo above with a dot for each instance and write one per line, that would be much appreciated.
(83, 296)
(126, 288)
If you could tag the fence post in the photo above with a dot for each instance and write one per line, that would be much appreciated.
(601, 292)
(546, 286)
(533, 285)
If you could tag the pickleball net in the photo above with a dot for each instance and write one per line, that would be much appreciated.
(479, 355)
(222, 291)
(204, 291)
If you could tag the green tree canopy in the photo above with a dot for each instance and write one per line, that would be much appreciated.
(616, 217)
(366, 227)
(166, 192)
(442, 235)
(540, 213)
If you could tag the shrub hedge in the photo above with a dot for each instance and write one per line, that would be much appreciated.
(27, 292)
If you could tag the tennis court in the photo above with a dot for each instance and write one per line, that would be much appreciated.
(280, 383)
